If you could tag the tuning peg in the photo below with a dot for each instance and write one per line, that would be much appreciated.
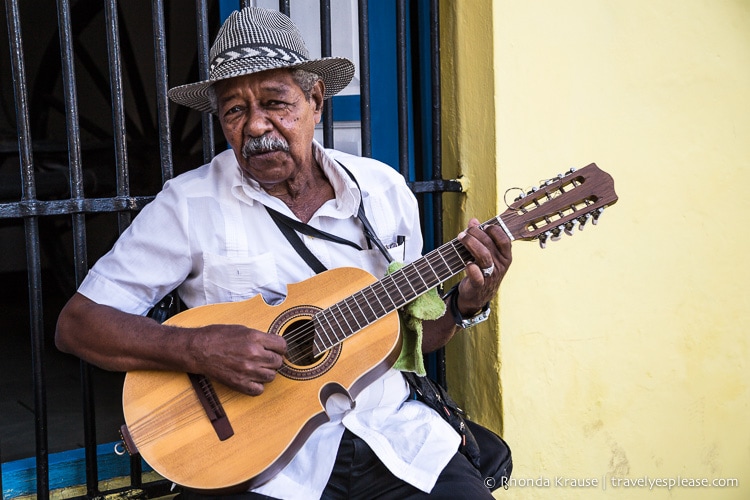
(572, 169)
(556, 233)
(543, 240)
(596, 214)
(569, 227)
(582, 220)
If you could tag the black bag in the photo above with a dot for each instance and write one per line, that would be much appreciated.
(498, 463)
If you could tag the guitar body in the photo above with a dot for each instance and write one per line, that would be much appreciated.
(168, 424)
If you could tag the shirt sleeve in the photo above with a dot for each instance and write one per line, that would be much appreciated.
(149, 260)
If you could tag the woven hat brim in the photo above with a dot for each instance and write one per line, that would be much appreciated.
(336, 73)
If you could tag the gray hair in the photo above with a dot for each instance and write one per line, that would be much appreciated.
(305, 79)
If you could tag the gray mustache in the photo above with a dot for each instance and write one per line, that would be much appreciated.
(263, 144)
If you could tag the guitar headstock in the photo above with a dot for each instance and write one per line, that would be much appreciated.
(559, 204)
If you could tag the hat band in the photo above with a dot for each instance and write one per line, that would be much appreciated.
(256, 50)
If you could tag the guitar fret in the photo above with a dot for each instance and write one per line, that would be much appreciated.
(326, 343)
(461, 258)
(432, 269)
(367, 301)
(353, 312)
(421, 278)
(435, 279)
(367, 319)
(342, 315)
(383, 309)
(410, 279)
(411, 285)
(393, 280)
(442, 257)
(347, 316)
(330, 331)
(387, 294)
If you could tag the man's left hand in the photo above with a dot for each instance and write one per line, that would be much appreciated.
(491, 249)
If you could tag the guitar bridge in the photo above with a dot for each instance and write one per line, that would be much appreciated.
(212, 406)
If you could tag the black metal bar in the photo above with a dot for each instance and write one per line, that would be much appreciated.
(162, 101)
(436, 186)
(37, 208)
(118, 107)
(364, 78)
(78, 221)
(283, 6)
(437, 152)
(33, 254)
(33, 261)
(325, 49)
(437, 136)
(403, 97)
(201, 12)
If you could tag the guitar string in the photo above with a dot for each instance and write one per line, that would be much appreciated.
(185, 409)
(173, 421)
(173, 414)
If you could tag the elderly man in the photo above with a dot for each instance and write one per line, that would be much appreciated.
(211, 234)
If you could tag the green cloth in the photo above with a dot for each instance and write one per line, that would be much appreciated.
(427, 306)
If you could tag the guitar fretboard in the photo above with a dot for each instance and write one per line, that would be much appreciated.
(345, 318)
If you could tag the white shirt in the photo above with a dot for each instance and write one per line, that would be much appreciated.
(207, 233)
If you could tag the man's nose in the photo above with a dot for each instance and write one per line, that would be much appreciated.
(258, 122)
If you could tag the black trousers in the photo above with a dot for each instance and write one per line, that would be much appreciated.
(359, 474)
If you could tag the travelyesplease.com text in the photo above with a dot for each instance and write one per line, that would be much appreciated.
(618, 482)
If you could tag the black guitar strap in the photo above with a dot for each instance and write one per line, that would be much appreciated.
(289, 227)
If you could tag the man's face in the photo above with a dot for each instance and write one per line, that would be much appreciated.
(270, 110)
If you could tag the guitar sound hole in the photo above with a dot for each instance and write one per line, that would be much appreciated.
(298, 329)
(299, 337)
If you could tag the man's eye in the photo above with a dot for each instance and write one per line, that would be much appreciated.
(276, 104)
(232, 110)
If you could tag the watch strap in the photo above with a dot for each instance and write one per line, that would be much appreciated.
(460, 321)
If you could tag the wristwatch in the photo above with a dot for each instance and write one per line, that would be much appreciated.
(460, 321)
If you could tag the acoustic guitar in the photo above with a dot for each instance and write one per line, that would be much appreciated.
(342, 332)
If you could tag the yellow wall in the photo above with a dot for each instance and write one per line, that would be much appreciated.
(623, 351)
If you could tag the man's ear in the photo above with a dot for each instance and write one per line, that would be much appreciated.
(316, 96)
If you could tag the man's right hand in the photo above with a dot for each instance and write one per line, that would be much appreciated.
(239, 357)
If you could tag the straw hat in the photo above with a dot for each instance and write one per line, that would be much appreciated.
(253, 40)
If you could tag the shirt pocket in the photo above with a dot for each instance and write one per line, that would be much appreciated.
(397, 250)
(229, 279)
